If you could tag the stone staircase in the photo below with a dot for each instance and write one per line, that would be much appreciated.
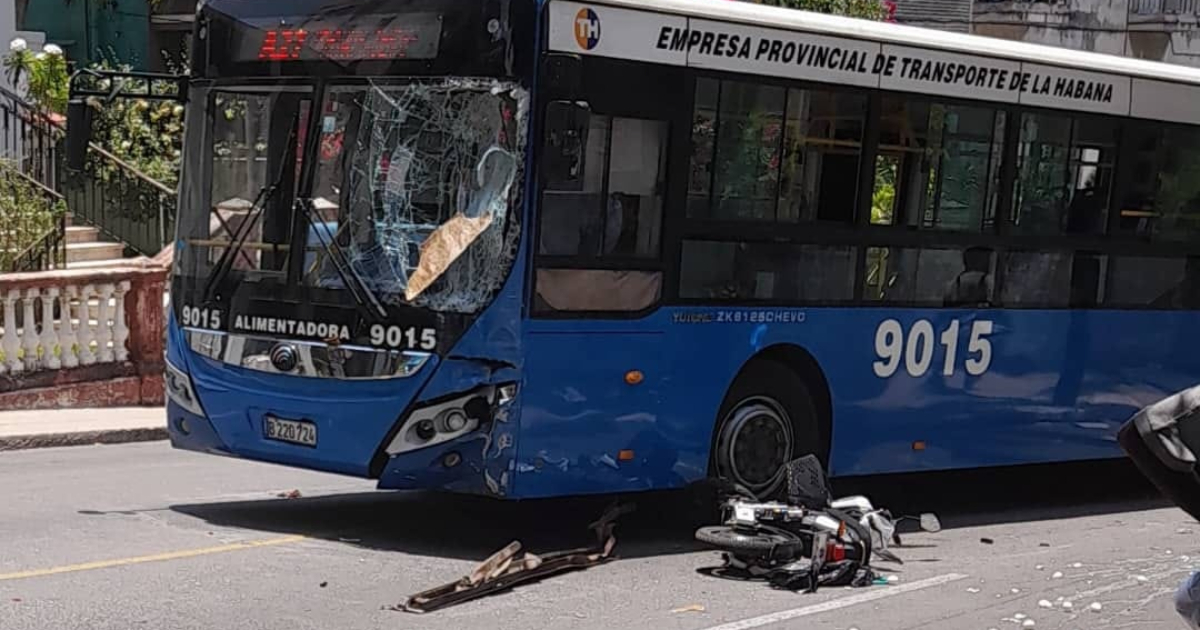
(86, 248)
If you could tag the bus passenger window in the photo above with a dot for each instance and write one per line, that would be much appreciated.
(822, 148)
(938, 165)
(767, 153)
(1051, 279)
(931, 277)
(617, 210)
(1064, 175)
(1159, 283)
(611, 212)
(766, 271)
(1161, 196)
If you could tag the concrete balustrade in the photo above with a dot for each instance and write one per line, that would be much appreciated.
(83, 337)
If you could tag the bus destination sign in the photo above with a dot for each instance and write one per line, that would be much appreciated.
(363, 38)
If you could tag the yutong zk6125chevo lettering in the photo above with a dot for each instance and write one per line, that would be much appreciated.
(529, 248)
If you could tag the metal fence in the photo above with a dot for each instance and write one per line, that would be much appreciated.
(125, 204)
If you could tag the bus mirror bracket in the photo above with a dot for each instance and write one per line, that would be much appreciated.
(566, 133)
(79, 133)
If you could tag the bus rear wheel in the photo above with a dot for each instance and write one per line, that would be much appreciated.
(768, 419)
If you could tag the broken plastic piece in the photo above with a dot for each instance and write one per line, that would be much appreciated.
(504, 570)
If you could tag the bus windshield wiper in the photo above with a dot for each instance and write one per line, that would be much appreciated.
(225, 262)
(362, 294)
(265, 195)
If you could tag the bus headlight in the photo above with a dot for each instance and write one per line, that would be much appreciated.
(444, 421)
(180, 390)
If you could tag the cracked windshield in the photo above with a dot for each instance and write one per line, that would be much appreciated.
(560, 314)
(413, 192)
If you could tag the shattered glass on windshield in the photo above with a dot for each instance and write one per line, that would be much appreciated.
(431, 187)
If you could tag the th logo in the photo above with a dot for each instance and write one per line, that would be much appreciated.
(587, 29)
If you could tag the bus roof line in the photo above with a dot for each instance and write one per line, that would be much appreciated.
(912, 36)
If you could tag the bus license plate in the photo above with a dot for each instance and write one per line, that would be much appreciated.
(290, 431)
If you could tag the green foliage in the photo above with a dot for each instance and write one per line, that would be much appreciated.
(27, 213)
(865, 9)
(46, 73)
(146, 134)
(883, 202)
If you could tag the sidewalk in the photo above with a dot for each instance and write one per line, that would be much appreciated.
(76, 427)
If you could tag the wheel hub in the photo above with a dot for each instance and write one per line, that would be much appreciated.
(758, 445)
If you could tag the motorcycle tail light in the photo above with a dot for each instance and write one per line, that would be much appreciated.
(835, 552)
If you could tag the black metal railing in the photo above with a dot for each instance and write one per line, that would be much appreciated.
(35, 226)
(48, 252)
(125, 204)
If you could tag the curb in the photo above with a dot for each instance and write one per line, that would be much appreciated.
(82, 438)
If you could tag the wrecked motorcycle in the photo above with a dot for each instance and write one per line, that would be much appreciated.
(810, 540)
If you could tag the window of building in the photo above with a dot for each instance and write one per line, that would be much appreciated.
(1064, 174)
(938, 165)
(767, 271)
(952, 278)
(769, 153)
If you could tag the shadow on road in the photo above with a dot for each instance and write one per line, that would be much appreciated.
(462, 527)
(471, 528)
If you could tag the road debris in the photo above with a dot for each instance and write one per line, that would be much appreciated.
(294, 494)
(505, 570)
(1057, 575)
(687, 609)
(987, 541)
(1045, 603)
(1096, 607)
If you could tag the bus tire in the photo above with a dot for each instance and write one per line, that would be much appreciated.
(767, 420)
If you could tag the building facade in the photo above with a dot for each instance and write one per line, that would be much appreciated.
(134, 32)
(1157, 30)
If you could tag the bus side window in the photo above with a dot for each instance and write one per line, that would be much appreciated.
(609, 209)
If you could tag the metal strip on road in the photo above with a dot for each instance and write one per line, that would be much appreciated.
(175, 555)
(845, 602)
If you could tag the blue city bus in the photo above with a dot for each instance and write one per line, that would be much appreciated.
(530, 248)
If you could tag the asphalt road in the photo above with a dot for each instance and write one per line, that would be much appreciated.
(140, 536)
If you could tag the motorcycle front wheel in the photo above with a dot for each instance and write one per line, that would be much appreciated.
(741, 541)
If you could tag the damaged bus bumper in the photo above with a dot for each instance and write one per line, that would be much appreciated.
(447, 425)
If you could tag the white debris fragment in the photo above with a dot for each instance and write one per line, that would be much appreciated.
(1185, 558)
(1168, 552)
(972, 590)
(1040, 567)
(1045, 603)
(1028, 623)
(892, 579)
(1015, 591)
(1183, 530)
(1077, 565)
(1140, 578)
(1067, 605)
(1096, 607)
(1057, 575)
(1019, 616)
